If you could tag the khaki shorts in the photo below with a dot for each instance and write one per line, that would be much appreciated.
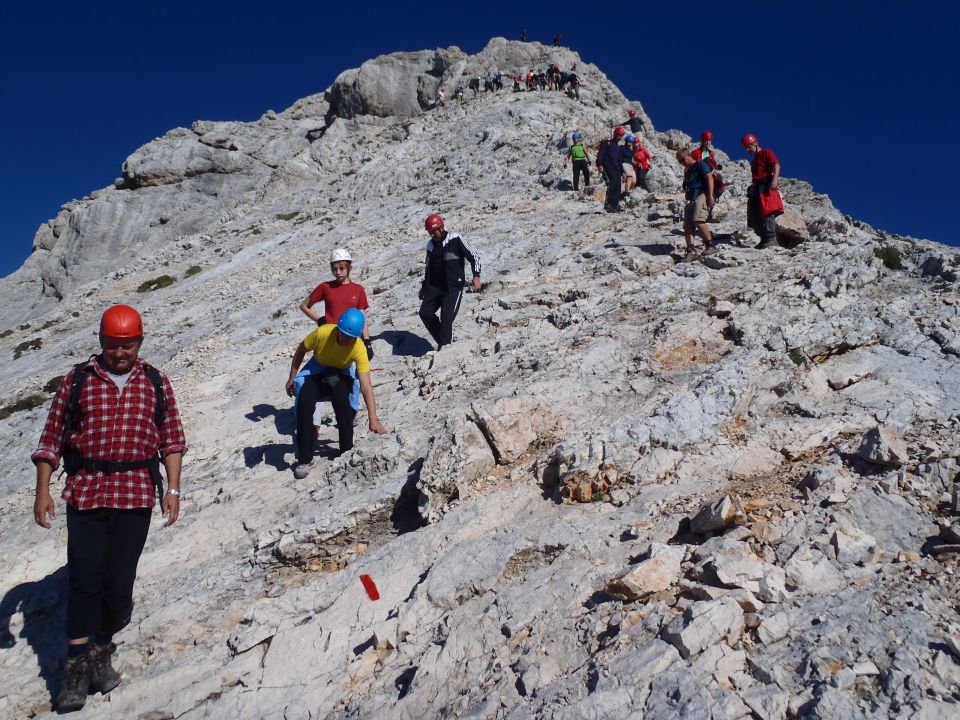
(696, 210)
(628, 170)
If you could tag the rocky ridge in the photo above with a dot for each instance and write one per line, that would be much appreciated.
(631, 488)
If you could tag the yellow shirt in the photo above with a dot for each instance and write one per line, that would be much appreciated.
(327, 351)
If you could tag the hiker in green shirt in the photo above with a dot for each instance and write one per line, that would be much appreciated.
(581, 162)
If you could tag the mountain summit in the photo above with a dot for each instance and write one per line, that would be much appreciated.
(632, 486)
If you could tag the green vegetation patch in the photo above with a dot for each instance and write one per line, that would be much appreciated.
(26, 345)
(53, 384)
(157, 283)
(27, 403)
(891, 257)
(6, 333)
(797, 356)
(287, 216)
(193, 270)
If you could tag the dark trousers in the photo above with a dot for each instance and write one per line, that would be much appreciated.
(642, 179)
(613, 186)
(103, 549)
(448, 303)
(764, 227)
(580, 166)
(336, 389)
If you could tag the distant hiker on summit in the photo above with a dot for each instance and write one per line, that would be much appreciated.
(581, 161)
(113, 421)
(635, 123)
(337, 296)
(335, 348)
(609, 158)
(698, 187)
(444, 279)
(763, 198)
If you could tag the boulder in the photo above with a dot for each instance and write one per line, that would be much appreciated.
(882, 446)
(658, 572)
(704, 624)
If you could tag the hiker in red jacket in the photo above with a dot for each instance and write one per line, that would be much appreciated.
(705, 150)
(642, 160)
(763, 197)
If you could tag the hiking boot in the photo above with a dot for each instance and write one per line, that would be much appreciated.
(102, 675)
(709, 249)
(301, 470)
(690, 255)
(75, 683)
(767, 244)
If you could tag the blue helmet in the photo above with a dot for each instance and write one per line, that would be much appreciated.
(351, 323)
(630, 139)
(576, 136)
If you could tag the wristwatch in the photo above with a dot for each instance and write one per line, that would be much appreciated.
(173, 491)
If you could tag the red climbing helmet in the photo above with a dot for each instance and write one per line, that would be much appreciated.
(433, 222)
(619, 132)
(121, 321)
(706, 136)
(632, 113)
(748, 140)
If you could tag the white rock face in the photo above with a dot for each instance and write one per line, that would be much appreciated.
(532, 520)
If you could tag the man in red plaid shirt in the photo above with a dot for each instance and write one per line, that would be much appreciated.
(109, 440)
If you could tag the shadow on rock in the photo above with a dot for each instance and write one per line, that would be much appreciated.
(405, 342)
(657, 248)
(283, 420)
(43, 604)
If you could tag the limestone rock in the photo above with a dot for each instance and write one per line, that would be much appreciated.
(882, 446)
(716, 516)
(658, 572)
(704, 624)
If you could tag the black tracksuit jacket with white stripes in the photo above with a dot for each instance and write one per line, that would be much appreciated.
(455, 251)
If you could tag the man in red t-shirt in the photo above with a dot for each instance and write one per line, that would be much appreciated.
(765, 169)
(338, 296)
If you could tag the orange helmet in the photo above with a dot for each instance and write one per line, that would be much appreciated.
(121, 321)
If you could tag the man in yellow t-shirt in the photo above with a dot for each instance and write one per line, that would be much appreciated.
(335, 348)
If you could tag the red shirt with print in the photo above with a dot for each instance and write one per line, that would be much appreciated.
(337, 299)
(762, 164)
(112, 426)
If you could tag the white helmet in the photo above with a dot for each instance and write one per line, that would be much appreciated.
(339, 255)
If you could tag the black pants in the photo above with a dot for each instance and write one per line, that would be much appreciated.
(448, 303)
(336, 389)
(764, 227)
(642, 179)
(613, 187)
(580, 166)
(103, 549)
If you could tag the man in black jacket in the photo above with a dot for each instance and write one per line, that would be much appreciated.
(444, 279)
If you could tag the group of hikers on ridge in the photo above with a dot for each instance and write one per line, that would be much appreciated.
(550, 78)
(114, 421)
(623, 163)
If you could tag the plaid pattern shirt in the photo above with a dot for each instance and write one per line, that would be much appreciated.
(115, 427)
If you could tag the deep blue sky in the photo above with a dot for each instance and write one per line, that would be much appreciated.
(855, 97)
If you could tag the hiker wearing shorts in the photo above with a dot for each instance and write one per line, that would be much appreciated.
(698, 191)
(626, 163)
